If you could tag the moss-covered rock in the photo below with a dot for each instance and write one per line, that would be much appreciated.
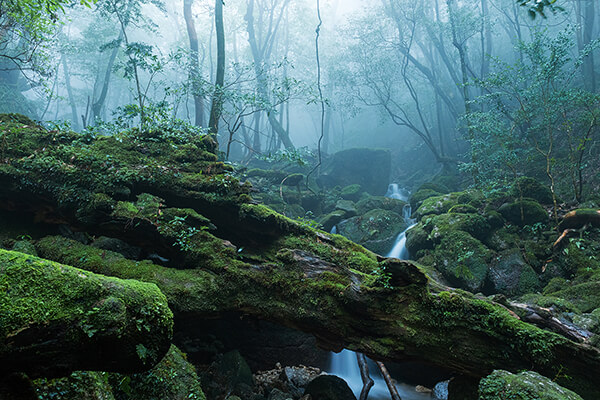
(347, 206)
(443, 203)
(421, 195)
(382, 203)
(529, 187)
(370, 168)
(439, 225)
(528, 385)
(524, 212)
(51, 314)
(417, 239)
(510, 275)
(332, 219)
(463, 260)
(376, 230)
(351, 192)
(173, 378)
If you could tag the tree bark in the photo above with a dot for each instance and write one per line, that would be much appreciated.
(364, 376)
(194, 72)
(217, 100)
(74, 115)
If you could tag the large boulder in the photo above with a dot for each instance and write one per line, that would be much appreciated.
(510, 275)
(530, 187)
(370, 168)
(528, 385)
(524, 212)
(376, 230)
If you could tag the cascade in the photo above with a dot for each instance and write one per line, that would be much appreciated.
(344, 363)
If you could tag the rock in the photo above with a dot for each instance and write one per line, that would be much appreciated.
(173, 378)
(117, 245)
(230, 374)
(525, 186)
(293, 180)
(347, 206)
(418, 239)
(53, 313)
(332, 219)
(351, 192)
(528, 385)
(329, 387)
(510, 275)
(376, 230)
(277, 394)
(440, 391)
(421, 195)
(532, 212)
(370, 168)
(439, 225)
(301, 376)
(463, 260)
(380, 202)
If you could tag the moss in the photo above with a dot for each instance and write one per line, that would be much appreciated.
(463, 260)
(438, 204)
(417, 239)
(80, 385)
(25, 246)
(173, 378)
(351, 192)
(439, 225)
(421, 195)
(525, 186)
(526, 385)
(525, 212)
(36, 292)
(462, 209)
(382, 203)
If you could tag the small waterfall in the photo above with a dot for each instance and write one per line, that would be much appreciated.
(333, 229)
(396, 192)
(344, 363)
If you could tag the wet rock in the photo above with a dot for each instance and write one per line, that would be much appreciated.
(380, 202)
(376, 230)
(511, 275)
(347, 206)
(527, 385)
(332, 219)
(329, 387)
(463, 260)
(277, 394)
(351, 192)
(440, 391)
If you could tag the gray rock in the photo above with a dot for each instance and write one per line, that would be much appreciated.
(329, 387)
(440, 391)
(511, 275)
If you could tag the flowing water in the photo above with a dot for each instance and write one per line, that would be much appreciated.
(344, 364)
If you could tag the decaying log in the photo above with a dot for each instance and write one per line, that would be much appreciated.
(55, 319)
(224, 254)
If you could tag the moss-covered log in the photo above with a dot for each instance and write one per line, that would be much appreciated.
(55, 319)
(222, 253)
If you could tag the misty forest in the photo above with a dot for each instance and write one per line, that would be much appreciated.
(299, 199)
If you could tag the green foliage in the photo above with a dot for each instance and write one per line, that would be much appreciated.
(537, 120)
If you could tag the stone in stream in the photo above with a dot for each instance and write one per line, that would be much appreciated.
(329, 387)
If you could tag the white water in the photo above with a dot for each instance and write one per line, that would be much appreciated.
(396, 192)
(344, 364)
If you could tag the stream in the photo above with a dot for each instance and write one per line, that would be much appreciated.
(344, 363)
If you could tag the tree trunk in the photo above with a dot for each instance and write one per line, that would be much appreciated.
(99, 103)
(74, 115)
(194, 73)
(217, 101)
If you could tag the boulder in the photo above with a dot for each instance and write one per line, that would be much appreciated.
(529, 187)
(524, 212)
(347, 206)
(383, 203)
(462, 260)
(329, 387)
(528, 385)
(351, 192)
(510, 275)
(370, 168)
(376, 230)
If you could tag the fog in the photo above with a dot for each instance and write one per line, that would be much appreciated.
(395, 74)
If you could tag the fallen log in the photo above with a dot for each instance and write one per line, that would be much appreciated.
(55, 319)
(223, 254)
